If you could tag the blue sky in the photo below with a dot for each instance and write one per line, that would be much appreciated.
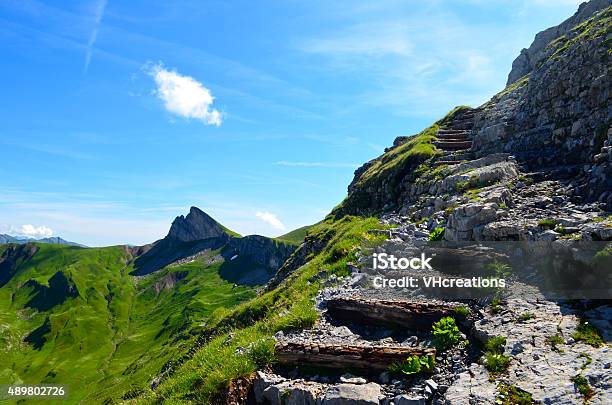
(118, 116)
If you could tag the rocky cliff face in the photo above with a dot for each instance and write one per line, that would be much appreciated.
(189, 235)
(538, 152)
(556, 117)
(197, 225)
(264, 251)
(531, 58)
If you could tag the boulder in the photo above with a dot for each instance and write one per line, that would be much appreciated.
(351, 394)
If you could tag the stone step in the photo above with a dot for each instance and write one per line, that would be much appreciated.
(465, 125)
(412, 315)
(459, 137)
(447, 162)
(453, 145)
(343, 356)
(451, 130)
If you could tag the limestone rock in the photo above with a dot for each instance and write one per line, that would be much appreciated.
(350, 394)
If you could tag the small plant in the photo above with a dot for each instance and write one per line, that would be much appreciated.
(511, 395)
(462, 185)
(413, 365)
(547, 223)
(588, 360)
(499, 269)
(446, 333)
(554, 341)
(582, 385)
(503, 206)
(561, 229)
(496, 305)
(587, 333)
(436, 235)
(526, 317)
(495, 344)
(495, 360)
(463, 310)
(262, 352)
(473, 194)
(496, 363)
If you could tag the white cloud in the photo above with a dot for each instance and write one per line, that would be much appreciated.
(270, 219)
(184, 96)
(315, 164)
(100, 6)
(36, 231)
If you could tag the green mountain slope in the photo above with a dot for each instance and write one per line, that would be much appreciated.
(202, 377)
(73, 315)
(296, 236)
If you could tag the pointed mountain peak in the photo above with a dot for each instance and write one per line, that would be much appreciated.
(197, 225)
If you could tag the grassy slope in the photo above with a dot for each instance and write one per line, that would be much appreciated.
(253, 323)
(296, 236)
(118, 333)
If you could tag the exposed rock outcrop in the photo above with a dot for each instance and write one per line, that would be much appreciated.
(12, 257)
(531, 58)
(197, 232)
(197, 225)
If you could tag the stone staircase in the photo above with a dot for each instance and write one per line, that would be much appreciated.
(455, 139)
(365, 336)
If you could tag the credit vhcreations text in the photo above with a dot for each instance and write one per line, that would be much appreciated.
(384, 261)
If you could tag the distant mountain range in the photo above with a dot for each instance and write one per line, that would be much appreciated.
(54, 240)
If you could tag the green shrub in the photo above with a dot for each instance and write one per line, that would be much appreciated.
(582, 385)
(548, 223)
(496, 305)
(413, 365)
(555, 340)
(526, 316)
(446, 334)
(499, 269)
(437, 234)
(462, 185)
(463, 310)
(587, 333)
(495, 360)
(511, 395)
(496, 345)
(588, 360)
(262, 352)
(497, 363)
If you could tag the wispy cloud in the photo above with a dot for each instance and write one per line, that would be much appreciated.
(314, 164)
(99, 8)
(184, 95)
(364, 39)
(271, 219)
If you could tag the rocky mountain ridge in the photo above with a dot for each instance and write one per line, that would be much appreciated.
(197, 232)
(546, 135)
(56, 240)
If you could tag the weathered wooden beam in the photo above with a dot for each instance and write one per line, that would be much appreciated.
(345, 355)
(413, 315)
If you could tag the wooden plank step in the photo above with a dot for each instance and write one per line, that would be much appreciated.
(341, 356)
(413, 315)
